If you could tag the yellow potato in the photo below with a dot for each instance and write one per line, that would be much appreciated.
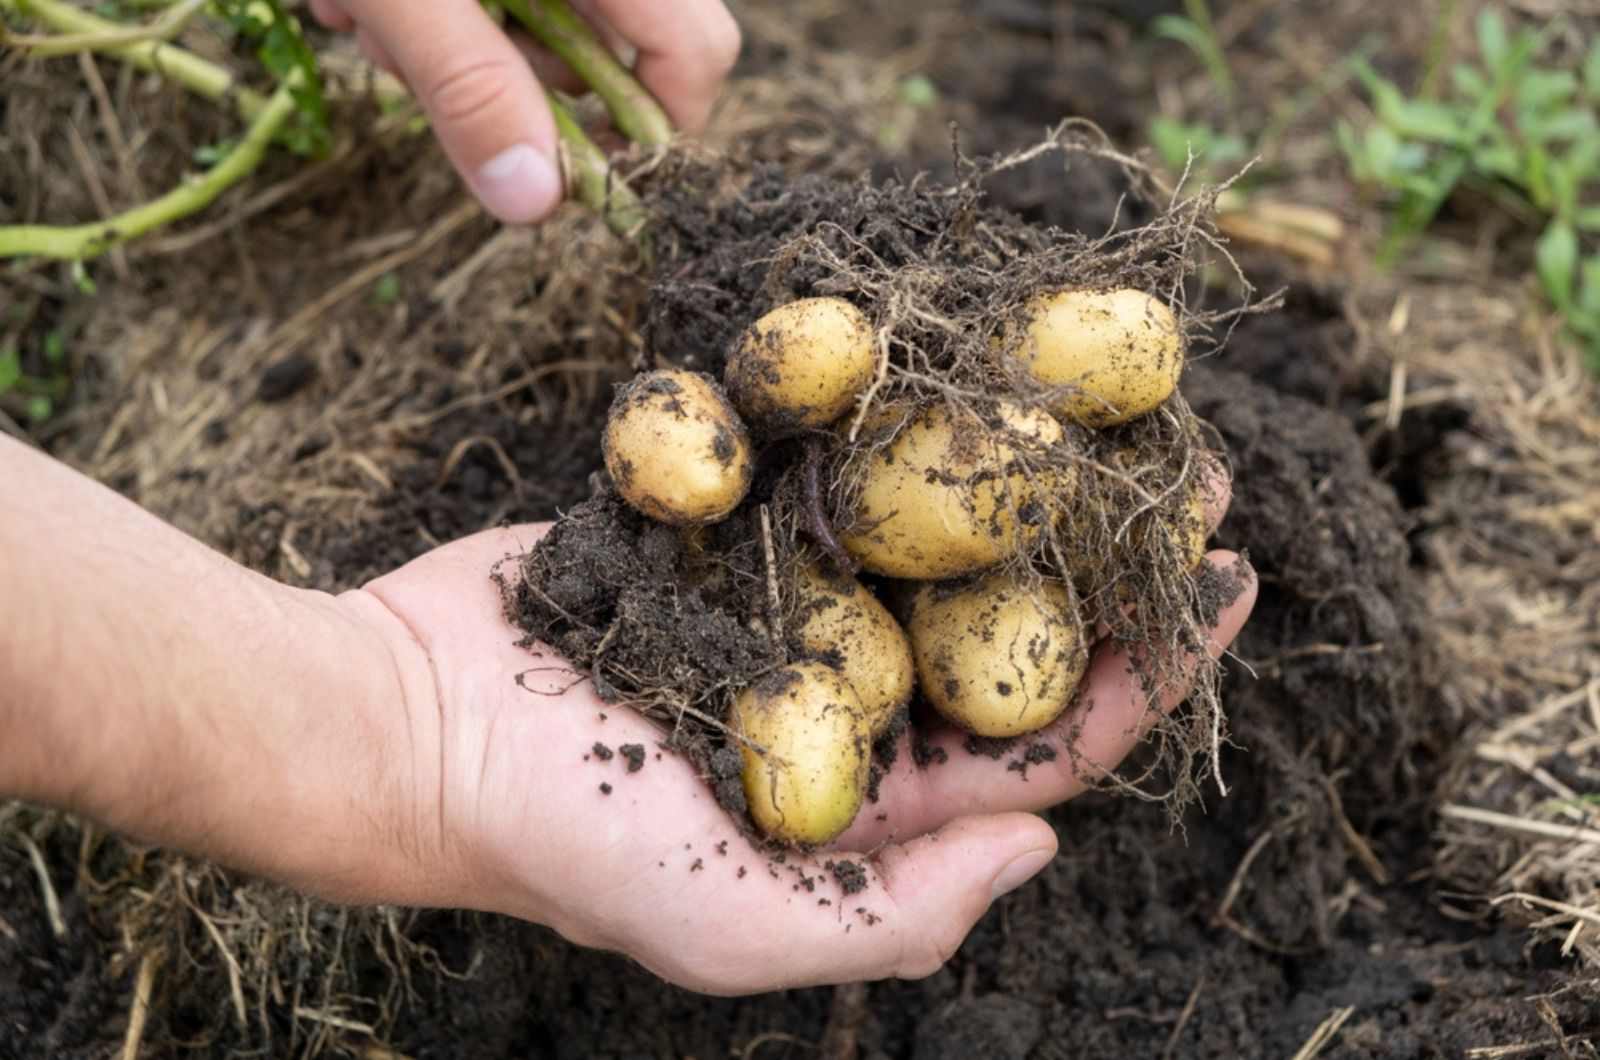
(999, 658)
(676, 449)
(1123, 349)
(845, 626)
(944, 497)
(802, 365)
(807, 781)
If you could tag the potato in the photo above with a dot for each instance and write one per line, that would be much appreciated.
(845, 626)
(807, 781)
(1122, 349)
(676, 449)
(999, 658)
(934, 503)
(802, 365)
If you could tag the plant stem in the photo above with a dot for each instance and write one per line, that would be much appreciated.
(636, 114)
(203, 78)
(166, 28)
(591, 178)
(80, 242)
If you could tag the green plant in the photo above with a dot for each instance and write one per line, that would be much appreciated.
(1195, 29)
(1518, 130)
(294, 116)
(36, 394)
(1197, 146)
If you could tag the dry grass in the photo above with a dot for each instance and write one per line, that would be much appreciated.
(1511, 533)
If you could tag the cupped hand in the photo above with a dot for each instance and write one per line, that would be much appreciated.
(480, 85)
(515, 811)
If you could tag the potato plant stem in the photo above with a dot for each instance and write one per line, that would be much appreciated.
(591, 178)
(636, 114)
(203, 78)
(80, 242)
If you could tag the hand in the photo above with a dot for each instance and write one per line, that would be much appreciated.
(655, 868)
(480, 85)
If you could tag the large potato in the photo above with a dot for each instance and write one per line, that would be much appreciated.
(676, 449)
(845, 626)
(1122, 349)
(947, 495)
(802, 365)
(807, 779)
(999, 658)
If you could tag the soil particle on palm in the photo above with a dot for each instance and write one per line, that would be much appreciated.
(634, 754)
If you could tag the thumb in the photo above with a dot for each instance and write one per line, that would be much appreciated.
(482, 98)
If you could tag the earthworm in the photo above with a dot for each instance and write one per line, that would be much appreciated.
(817, 512)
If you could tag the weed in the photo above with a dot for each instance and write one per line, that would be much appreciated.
(1520, 131)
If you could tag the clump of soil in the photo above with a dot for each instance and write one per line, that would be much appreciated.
(677, 621)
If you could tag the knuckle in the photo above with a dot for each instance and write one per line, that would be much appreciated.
(929, 954)
(471, 90)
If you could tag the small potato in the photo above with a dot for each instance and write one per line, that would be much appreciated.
(802, 365)
(807, 783)
(845, 626)
(1122, 349)
(999, 658)
(945, 497)
(676, 449)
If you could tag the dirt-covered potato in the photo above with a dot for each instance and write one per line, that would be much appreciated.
(949, 496)
(845, 626)
(999, 658)
(802, 365)
(807, 781)
(1122, 349)
(676, 449)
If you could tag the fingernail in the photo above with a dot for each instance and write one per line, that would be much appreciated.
(1019, 872)
(519, 185)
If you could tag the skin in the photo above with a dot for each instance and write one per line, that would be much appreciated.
(375, 746)
(482, 86)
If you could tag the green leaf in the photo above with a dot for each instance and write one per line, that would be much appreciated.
(1540, 90)
(1492, 42)
(1563, 188)
(919, 91)
(40, 406)
(1587, 218)
(1572, 125)
(1468, 81)
(386, 292)
(10, 370)
(209, 155)
(1556, 257)
(82, 280)
(55, 346)
(1591, 72)
(1426, 119)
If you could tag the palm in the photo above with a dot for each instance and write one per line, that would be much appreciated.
(648, 862)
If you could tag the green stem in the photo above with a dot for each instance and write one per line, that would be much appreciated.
(594, 181)
(636, 114)
(203, 78)
(79, 242)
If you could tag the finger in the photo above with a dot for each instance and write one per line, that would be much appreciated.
(918, 902)
(1216, 491)
(685, 52)
(1109, 719)
(331, 15)
(482, 98)
(378, 55)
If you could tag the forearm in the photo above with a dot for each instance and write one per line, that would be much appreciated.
(147, 681)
